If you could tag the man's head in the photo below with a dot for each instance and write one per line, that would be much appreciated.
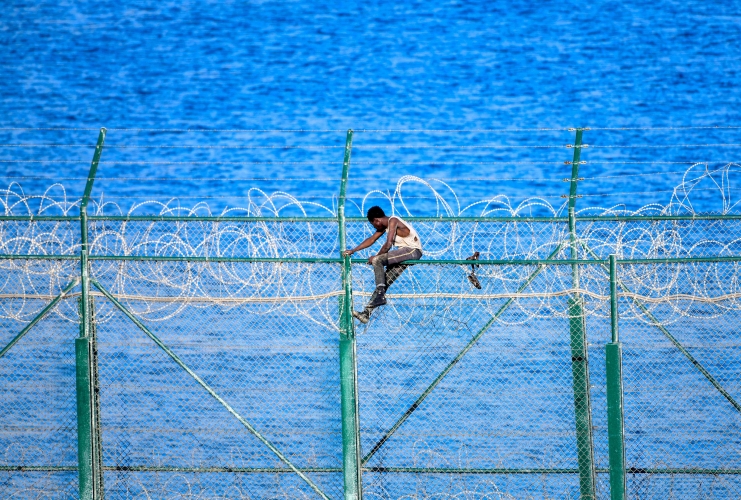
(376, 216)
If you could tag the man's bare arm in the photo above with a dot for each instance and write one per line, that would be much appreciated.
(365, 243)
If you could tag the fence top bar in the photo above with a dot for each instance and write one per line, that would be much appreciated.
(680, 260)
(637, 218)
(309, 130)
(561, 262)
(93, 172)
(177, 258)
(39, 257)
(40, 218)
(216, 218)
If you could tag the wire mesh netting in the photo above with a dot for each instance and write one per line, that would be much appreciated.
(273, 361)
(682, 384)
(38, 433)
(497, 376)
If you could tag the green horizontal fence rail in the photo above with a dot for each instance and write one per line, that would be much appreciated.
(614, 377)
(356, 464)
(502, 219)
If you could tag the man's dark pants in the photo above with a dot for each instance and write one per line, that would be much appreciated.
(387, 267)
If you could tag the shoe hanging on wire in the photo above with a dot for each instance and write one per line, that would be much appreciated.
(472, 275)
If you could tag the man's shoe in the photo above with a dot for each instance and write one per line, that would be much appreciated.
(472, 276)
(379, 298)
(474, 280)
(361, 316)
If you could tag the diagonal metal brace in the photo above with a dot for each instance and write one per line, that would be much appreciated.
(455, 360)
(208, 389)
(672, 339)
(40, 316)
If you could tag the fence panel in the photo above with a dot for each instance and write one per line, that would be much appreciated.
(498, 416)
(279, 239)
(682, 382)
(270, 351)
(648, 238)
(594, 283)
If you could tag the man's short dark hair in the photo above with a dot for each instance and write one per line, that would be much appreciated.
(375, 213)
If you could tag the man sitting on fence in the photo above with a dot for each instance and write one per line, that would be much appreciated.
(387, 263)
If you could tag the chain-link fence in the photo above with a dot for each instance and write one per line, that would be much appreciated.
(182, 355)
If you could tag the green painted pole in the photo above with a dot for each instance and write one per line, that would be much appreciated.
(84, 250)
(89, 447)
(578, 341)
(97, 431)
(614, 312)
(348, 355)
(84, 417)
(582, 414)
(615, 417)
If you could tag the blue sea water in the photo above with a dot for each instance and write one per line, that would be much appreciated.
(361, 65)
(403, 76)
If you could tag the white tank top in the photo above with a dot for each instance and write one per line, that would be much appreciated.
(411, 241)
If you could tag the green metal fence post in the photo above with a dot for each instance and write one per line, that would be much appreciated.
(615, 422)
(579, 358)
(89, 447)
(455, 360)
(84, 432)
(348, 361)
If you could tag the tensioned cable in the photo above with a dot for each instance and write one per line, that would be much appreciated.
(123, 146)
(601, 162)
(360, 146)
(166, 129)
(324, 162)
(431, 162)
(344, 130)
(621, 176)
(337, 179)
(566, 129)
(656, 191)
(278, 179)
(331, 195)
(380, 146)
(300, 130)
(283, 195)
(708, 127)
(662, 146)
(466, 130)
(437, 295)
(336, 162)
(561, 293)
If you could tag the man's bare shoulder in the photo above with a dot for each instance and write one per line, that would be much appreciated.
(398, 222)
